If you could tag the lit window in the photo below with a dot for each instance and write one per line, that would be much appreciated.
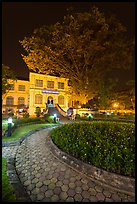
(61, 100)
(50, 84)
(9, 100)
(11, 87)
(38, 99)
(21, 87)
(21, 100)
(39, 83)
(60, 85)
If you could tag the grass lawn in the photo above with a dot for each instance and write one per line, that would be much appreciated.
(20, 131)
(7, 190)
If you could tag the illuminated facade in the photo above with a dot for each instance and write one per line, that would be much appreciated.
(17, 97)
(46, 90)
(40, 91)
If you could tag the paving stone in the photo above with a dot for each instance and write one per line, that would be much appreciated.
(98, 189)
(78, 183)
(92, 191)
(72, 185)
(51, 186)
(35, 180)
(84, 181)
(35, 191)
(53, 180)
(30, 187)
(85, 200)
(59, 183)
(57, 190)
(64, 188)
(71, 192)
(43, 188)
(54, 198)
(78, 189)
(63, 195)
(72, 179)
(100, 196)
(38, 175)
(85, 187)
(39, 184)
(42, 178)
(85, 194)
(26, 183)
(40, 196)
(49, 193)
(115, 197)
(70, 199)
(47, 182)
(49, 176)
(93, 199)
(109, 200)
(60, 178)
(107, 193)
(78, 197)
(33, 197)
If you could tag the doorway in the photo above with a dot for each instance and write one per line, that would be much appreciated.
(50, 101)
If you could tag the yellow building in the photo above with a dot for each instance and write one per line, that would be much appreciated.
(46, 90)
(40, 91)
(17, 97)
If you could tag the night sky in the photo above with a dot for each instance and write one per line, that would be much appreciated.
(19, 19)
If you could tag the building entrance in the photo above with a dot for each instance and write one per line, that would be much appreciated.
(50, 101)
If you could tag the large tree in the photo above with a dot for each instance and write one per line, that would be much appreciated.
(83, 48)
(7, 74)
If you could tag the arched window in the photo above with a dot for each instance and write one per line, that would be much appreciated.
(9, 100)
(38, 99)
(61, 100)
(21, 101)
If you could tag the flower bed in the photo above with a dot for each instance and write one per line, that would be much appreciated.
(107, 145)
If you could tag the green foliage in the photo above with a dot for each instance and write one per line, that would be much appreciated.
(38, 111)
(27, 120)
(108, 145)
(25, 115)
(7, 190)
(7, 73)
(21, 130)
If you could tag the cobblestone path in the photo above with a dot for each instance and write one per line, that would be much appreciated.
(48, 179)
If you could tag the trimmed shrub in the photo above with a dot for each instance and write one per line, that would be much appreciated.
(107, 145)
(27, 120)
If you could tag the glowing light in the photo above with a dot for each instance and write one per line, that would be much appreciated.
(55, 115)
(10, 120)
(115, 105)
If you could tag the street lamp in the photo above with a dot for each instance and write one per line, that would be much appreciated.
(9, 126)
(55, 118)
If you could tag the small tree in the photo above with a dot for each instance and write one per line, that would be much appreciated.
(7, 74)
(38, 111)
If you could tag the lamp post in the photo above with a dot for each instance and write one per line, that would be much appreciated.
(55, 118)
(9, 126)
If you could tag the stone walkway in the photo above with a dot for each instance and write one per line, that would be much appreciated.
(47, 178)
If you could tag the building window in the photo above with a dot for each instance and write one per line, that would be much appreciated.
(11, 87)
(39, 83)
(60, 85)
(9, 100)
(50, 84)
(38, 99)
(61, 100)
(21, 87)
(21, 101)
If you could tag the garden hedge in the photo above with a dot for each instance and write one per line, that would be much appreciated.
(107, 145)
